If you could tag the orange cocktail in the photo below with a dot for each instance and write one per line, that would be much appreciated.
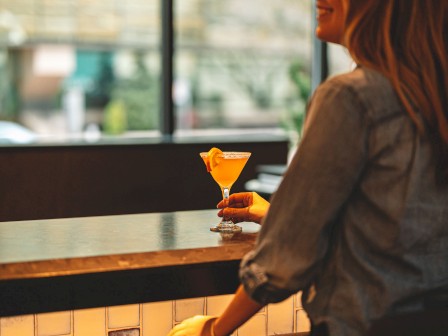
(225, 167)
(228, 170)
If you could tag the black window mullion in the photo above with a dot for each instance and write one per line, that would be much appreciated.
(319, 64)
(167, 116)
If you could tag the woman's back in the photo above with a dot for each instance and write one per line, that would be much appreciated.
(389, 244)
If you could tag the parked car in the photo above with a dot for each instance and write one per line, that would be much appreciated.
(13, 133)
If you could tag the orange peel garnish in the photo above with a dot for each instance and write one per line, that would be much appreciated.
(213, 159)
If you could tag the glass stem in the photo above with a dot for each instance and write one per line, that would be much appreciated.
(225, 195)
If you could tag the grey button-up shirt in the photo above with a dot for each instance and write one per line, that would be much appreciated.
(359, 221)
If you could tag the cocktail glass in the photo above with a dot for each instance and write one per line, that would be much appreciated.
(225, 173)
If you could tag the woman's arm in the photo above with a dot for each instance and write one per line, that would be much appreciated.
(240, 310)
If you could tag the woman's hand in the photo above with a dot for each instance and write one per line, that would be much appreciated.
(244, 207)
(198, 325)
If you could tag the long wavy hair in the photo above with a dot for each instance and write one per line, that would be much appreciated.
(407, 41)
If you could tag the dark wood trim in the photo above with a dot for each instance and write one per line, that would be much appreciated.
(79, 181)
(49, 294)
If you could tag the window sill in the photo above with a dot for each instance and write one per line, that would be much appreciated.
(154, 137)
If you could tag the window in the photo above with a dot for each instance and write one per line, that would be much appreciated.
(236, 62)
(90, 70)
(339, 59)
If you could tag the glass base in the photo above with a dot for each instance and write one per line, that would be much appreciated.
(227, 226)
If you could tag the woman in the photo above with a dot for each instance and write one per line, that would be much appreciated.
(360, 221)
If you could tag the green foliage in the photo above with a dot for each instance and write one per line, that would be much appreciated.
(9, 102)
(139, 95)
(302, 91)
(9, 95)
(115, 121)
(301, 80)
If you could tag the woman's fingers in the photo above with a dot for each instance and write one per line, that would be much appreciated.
(244, 207)
(237, 215)
(238, 200)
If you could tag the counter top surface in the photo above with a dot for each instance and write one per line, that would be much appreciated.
(77, 263)
(40, 248)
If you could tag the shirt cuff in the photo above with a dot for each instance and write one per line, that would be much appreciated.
(252, 274)
(256, 282)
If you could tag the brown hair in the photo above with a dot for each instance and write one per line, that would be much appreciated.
(407, 41)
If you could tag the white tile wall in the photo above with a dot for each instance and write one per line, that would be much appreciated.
(301, 321)
(187, 308)
(281, 317)
(123, 316)
(18, 325)
(157, 318)
(154, 319)
(217, 304)
(91, 322)
(303, 324)
(255, 326)
(54, 324)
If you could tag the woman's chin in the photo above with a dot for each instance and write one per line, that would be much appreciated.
(326, 36)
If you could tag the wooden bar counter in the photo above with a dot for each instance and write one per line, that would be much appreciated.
(75, 263)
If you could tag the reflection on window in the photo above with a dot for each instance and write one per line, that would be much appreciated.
(241, 64)
(79, 70)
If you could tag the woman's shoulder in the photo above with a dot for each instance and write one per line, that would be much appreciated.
(360, 79)
(371, 88)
